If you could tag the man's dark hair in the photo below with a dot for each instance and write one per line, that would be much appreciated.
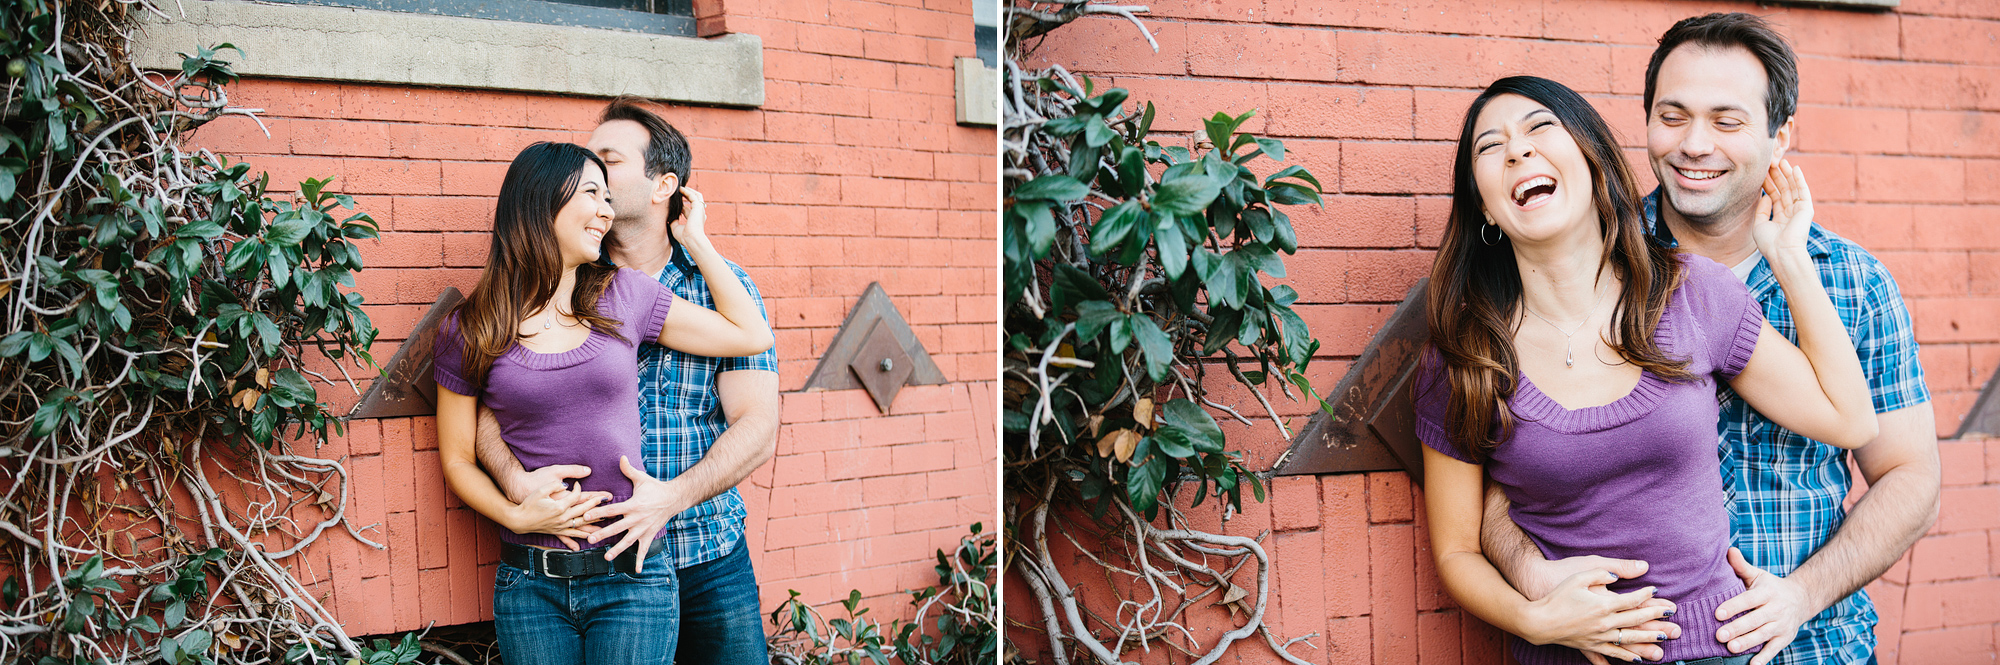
(666, 149)
(1781, 66)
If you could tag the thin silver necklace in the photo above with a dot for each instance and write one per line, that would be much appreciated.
(1569, 336)
(550, 321)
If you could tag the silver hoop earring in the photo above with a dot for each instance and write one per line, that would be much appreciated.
(1496, 228)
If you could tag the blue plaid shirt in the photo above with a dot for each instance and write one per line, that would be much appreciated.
(682, 415)
(1786, 491)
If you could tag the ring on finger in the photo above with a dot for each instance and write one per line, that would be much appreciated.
(1621, 638)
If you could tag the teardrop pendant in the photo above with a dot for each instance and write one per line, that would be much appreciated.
(1569, 357)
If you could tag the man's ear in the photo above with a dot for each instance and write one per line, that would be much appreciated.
(1784, 138)
(665, 187)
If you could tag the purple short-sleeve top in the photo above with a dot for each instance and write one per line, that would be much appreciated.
(1639, 478)
(579, 406)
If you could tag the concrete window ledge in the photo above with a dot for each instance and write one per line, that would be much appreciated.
(978, 91)
(334, 43)
(1843, 4)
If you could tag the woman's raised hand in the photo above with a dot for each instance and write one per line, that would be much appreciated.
(689, 229)
(1785, 212)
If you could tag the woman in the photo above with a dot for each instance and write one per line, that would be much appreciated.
(549, 341)
(1573, 361)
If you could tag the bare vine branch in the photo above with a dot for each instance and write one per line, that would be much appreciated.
(157, 310)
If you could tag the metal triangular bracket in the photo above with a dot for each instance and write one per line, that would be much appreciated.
(1375, 429)
(1984, 418)
(406, 387)
(837, 366)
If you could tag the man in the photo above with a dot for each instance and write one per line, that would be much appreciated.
(1720, 93)
(709, 421)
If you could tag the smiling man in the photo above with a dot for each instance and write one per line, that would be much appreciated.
(1721, 90)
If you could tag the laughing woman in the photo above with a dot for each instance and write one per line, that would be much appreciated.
(549, 341)
(1575, 362)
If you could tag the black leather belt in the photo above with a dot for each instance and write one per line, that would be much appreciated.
(566, 563)
(1739, 659)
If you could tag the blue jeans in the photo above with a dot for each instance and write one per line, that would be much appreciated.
(609, 619)
(719, 612)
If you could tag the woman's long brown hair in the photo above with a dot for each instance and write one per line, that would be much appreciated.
(524, 262)
(1475, 288)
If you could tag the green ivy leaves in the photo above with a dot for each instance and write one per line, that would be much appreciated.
(1158, 256)
(153, 284)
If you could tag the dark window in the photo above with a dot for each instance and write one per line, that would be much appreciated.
(663, 17)
(986, 31)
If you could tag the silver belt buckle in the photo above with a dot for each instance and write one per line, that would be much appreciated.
(543, 554)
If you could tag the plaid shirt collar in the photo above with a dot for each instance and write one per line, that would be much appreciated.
(1818, 242)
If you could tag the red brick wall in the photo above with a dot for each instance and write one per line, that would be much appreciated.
(1941, 603)
(853, 171)
(1899, 129)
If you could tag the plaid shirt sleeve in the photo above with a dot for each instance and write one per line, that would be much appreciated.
(768, 360)
(1885, 339)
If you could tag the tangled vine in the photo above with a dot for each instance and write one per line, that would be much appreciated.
(1132, 270)
(163, 323)
(963, 613)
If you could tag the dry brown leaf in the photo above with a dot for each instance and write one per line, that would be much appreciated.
(1127, 441)
(264, 378)
(1232, 594)
(1142, 412)
(1234, 597)
(1066, 351)
(1096, 422)
(246, 399)
(1107, 443)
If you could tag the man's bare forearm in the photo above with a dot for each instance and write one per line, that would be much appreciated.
(750, 403)
(1506, 545)
(497, 458)
(1899, 507)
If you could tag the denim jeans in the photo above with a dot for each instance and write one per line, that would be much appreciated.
(719, 612)
(608, 619)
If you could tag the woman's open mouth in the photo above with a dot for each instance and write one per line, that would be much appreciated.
(1534, 192)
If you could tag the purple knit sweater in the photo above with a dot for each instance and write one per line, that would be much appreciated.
(579, 406)
(1639, 478)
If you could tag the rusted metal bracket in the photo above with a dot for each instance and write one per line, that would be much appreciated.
(1375, 429)
(875, 350)
(406, 387)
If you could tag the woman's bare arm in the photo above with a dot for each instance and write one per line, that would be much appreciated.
(736, 327)
(1815, 388)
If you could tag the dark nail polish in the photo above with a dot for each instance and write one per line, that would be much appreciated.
(1669, 614)
(1663, 637)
